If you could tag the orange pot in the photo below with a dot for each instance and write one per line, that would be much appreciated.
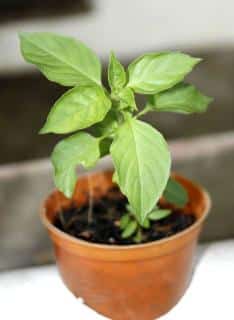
(135, 282)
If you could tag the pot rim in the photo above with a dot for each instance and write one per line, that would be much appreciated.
(84, 243)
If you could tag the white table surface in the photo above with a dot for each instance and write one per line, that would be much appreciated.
(38, 293)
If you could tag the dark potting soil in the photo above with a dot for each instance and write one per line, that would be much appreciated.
(104, 227)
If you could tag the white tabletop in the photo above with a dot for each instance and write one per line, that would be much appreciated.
(38, 293)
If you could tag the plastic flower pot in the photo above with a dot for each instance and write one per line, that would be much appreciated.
(133, 282)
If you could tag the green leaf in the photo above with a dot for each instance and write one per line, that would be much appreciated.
(142, 163)
(146, 223)
(159, 214)
(138, 236)
(155, 72)
(175, 193)
(107, 126)
(124, 221)
(78, 149)
(182, 98)
(129, 230)
(129, 208)
(104, 146)
(127, 99)
(61, 59)
(77, 109)
(116, 73)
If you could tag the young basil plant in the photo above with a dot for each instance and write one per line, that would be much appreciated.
(140, 153)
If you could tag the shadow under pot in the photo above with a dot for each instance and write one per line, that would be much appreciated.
(127, 282)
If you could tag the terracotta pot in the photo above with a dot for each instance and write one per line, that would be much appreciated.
(135, 282)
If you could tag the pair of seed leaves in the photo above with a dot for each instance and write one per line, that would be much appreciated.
(140, 153)
(129, 225)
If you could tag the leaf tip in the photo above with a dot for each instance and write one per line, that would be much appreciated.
(209, 99)
(112, 54)
(44, 130)
(68, 194)
(197, 60)
(206, 102)
(22, 34)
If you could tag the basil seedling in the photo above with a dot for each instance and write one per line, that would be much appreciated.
(140, 153)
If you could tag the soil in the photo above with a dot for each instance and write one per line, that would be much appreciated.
(104, 227)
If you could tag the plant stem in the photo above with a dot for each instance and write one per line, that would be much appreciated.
(90, 211)
(144, 111)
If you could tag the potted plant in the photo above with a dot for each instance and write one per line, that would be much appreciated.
(124, 241)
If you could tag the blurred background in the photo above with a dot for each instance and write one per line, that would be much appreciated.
(202, 145)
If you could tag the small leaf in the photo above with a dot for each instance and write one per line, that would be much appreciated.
(129, 208)
(142, 163)
(77, 109)
(78, 149)
(61, 59)
(146, 223)
(116, 73)
(138, 236)
(124, 221)
(159, 214)
(156, 72)
(127, 99)
(175, 193)
(129, 230)
(182, 98)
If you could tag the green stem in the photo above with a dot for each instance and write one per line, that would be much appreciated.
(142, 112)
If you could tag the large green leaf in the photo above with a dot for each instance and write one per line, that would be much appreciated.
(79, 149)
(182, 98)
(142, 163)
(175, 193)
(61, 59)
(155, 72)
(116, 73)
(77, 109)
